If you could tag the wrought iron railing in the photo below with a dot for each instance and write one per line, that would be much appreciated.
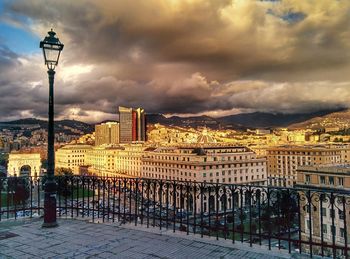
(299, 220)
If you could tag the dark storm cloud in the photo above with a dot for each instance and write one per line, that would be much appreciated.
(189, 56)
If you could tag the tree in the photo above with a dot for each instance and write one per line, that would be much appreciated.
(229, 219)
(266, 220)
(254, 228)
(61, 171)
(19, 187)
(64, 181)
(44, 163)
(288, 210)
(4, 159)
(240, 228)
(242, 216)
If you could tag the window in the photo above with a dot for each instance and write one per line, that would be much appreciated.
(331, 180)
(307, 209)
(324, 228)
(331, 213)
(341, 214)
(333, 230)
(322, 180)
(307, 179)
(204, 174)
(341, 181)
(342, 232)
(324, 212)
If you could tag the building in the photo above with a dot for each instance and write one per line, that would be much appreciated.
(107, 133)
(128, 161)
(126, 122)
(132, 124)
(235, 165)
(232, 165)
(103, 160)
(329, 221)
(72, 157)
(24, 164)
(211, 164)
(283, 161)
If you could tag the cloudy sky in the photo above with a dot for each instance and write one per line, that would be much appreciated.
(184, 57)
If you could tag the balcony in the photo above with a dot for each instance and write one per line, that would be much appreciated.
(239, 216)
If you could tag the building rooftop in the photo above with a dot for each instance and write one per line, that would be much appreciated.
(84, 239)
(325, 147)
(327, 168)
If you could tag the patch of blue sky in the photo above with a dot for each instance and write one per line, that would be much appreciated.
(289, 16)
(18, 39)
(293, 17)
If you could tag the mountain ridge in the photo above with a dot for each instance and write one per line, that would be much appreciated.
(61, 126)
(238, 121)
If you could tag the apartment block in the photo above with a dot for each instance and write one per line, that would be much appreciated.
(72, 157)
(107, 133)
(232, 165)
(283, 161)
(325, 206)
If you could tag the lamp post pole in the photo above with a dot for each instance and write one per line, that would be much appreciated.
(52, 48)
(50, 219)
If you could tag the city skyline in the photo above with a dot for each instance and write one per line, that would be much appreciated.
(176, 57)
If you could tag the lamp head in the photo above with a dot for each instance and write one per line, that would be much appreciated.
(52, 48)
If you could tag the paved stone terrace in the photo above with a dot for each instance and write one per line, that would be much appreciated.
(82, 239)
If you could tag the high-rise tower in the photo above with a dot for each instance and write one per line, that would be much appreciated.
(132, 124)
(107, 133)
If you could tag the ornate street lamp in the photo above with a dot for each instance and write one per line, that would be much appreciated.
(52, 48)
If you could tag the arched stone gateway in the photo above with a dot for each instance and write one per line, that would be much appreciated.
(25, 170)
(24, 165)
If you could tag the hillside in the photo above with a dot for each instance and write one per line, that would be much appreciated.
(64, 126)
(269, 120)
(195, 121)
(340, 119)
(238, 121)
(316, 120)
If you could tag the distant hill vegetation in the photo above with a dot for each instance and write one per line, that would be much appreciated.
(339, 119)
(63, 126)
(316, 120)
(241, 121)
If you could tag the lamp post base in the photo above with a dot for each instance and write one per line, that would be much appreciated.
(49, 225)
(50, 217)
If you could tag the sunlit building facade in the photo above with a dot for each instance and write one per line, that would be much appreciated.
(72, 157)
(328, 223)
(107, 133)
(132, 125)
(283, 161)
(232, 165)
(103, 160)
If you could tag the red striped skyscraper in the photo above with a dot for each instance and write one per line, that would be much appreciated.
(132, 124)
